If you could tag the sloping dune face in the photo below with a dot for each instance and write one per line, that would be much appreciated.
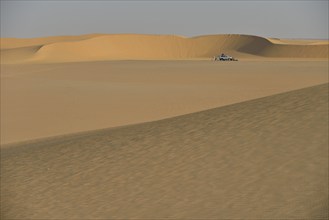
(164, 47)
(43, 100)
(15, 50)
(19, 54)
(11, 43)
(251, 160)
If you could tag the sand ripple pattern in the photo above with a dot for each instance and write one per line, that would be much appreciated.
(266, 158)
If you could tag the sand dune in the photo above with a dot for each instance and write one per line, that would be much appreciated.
(157, 47)
(19, 54)
(298, 41)
(11, 43)
(54, 99)
(262, 159)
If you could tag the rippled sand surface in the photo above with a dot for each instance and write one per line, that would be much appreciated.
(266, 158)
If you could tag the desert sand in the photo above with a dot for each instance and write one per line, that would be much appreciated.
(43, 100)
(149, 126)
(261, 159)
(80, 83)
(155, 47)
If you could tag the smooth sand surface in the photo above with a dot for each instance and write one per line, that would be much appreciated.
(261, 159)
(54, 99)
(11, 43)
(99, 47)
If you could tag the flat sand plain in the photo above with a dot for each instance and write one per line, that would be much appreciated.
(261, 159)
(42, 100)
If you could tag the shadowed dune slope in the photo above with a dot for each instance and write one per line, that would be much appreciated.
(162, 47)
(265, 158)
(19, 54)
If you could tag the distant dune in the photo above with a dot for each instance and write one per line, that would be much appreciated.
(262, 159)
(11, 43)
(155, 47)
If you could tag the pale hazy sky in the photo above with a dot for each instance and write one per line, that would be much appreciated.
(278, 18)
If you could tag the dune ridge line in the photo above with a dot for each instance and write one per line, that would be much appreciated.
(155, 47)
(252, 160)
(71, 136)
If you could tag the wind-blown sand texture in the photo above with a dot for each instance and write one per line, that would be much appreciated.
(261, 159)
(147, 126)
(155, 47)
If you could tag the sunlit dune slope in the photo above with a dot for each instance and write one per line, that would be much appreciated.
(262, 159)
(158, 47)
(10, 43)
(46, 100)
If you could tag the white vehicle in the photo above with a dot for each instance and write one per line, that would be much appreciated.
(224, 57)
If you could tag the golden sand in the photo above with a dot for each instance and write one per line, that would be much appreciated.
(155, 47)
(148, 127)
(54, 99)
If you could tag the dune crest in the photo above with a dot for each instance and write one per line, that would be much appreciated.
(155, 47)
